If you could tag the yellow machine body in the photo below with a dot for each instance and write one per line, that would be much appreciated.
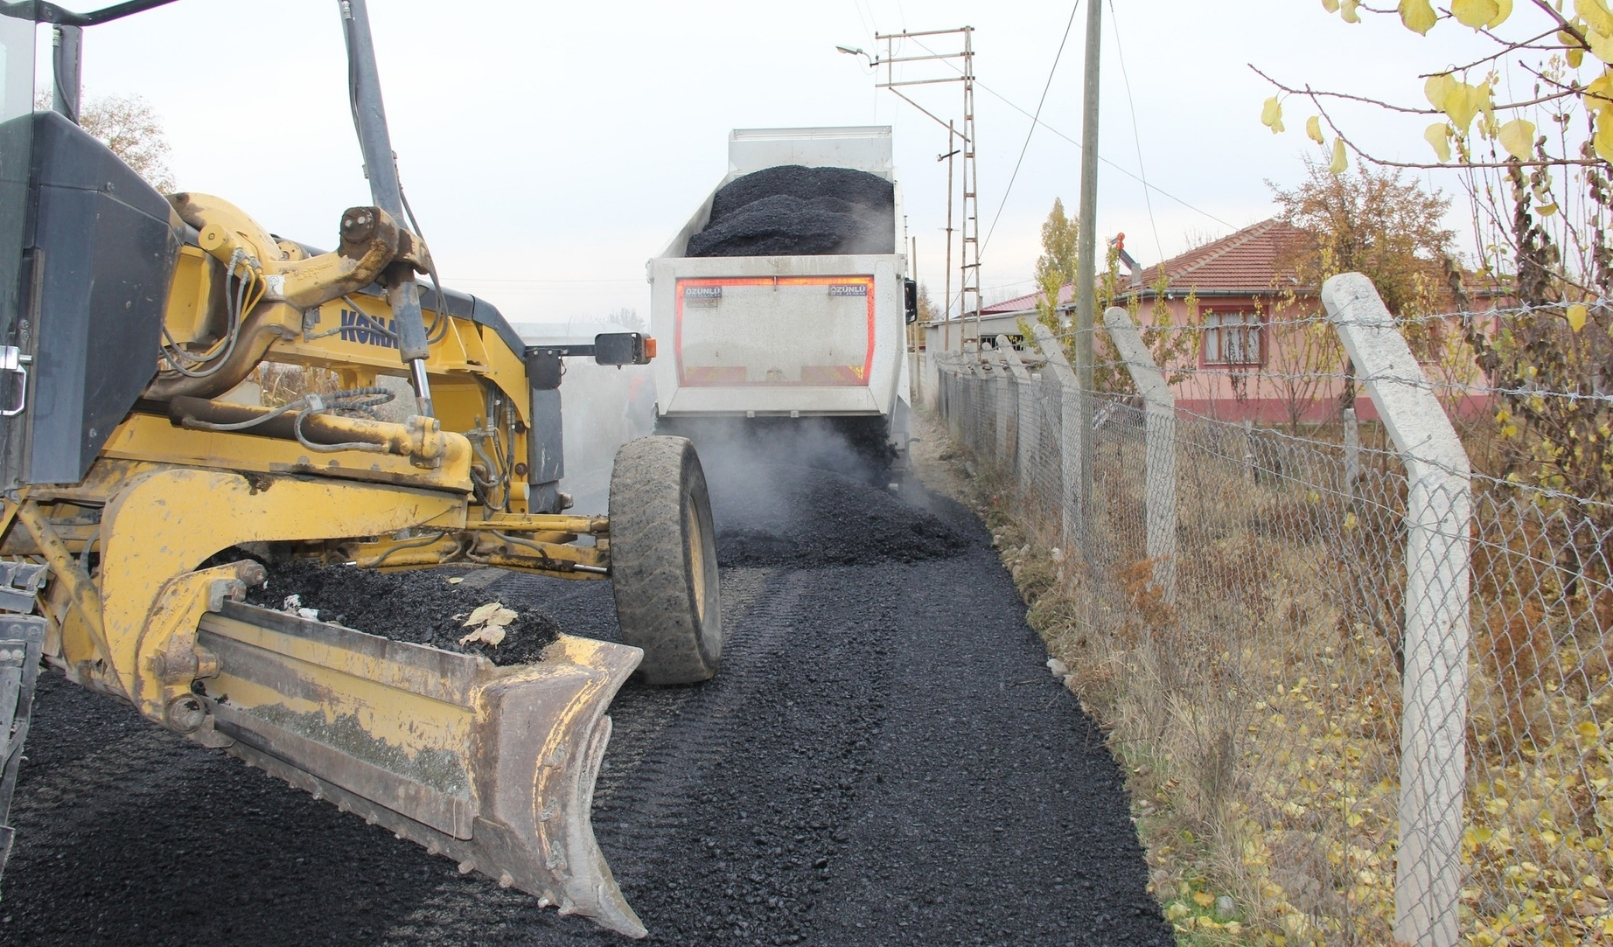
(493, 766)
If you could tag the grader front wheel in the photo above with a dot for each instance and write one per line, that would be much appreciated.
(664, 560)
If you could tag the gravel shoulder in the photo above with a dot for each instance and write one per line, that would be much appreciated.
(884, 759)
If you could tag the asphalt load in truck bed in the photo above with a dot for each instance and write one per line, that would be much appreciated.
(798, 211)
(883, 759)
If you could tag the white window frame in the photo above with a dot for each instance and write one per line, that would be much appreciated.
(1233, 338)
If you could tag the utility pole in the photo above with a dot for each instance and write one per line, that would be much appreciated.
(970, 271)
(946, 308)
(1087, 270)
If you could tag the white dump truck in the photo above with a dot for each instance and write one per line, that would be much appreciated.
(784, 300)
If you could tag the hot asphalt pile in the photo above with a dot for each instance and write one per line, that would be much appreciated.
(804, 518)
(882, 760)
(399, 605)
(797, 211)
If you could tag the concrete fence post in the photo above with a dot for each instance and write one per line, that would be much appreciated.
(1439, 509)
(1159, 436)
(959, 399)
(1352, 453)
(1071, 502)
(1004, 400)
(985, 395)
(1028, 426)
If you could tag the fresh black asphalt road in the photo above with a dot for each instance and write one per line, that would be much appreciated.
(884, 759)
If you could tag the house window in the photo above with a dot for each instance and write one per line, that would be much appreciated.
(1231, 338)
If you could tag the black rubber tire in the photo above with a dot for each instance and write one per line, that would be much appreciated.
(663, 553)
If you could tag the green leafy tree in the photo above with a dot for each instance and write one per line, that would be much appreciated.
(1057, 264)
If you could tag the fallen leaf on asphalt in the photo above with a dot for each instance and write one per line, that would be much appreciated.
(489, 633)
(493, 613)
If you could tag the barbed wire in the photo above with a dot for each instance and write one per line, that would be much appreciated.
(1235, 427)
(1604, 305)
(1254, 373)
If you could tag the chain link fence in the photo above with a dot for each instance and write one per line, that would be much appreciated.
(1362, 693)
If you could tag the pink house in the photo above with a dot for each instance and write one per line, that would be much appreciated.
(1259, 353)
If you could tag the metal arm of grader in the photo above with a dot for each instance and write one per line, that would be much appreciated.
(540, 543)
(276, 282)
(380, 166)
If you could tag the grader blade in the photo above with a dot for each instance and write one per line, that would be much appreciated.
(491, 766)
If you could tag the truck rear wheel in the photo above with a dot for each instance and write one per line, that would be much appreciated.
(663, 551)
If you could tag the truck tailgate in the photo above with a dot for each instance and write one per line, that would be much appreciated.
(781, 331)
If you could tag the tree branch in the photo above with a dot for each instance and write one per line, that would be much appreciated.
(1571, 89)
(1563, 25)
(1424, 165)
(1510, 46)
(1307, 91)
(1313, 93)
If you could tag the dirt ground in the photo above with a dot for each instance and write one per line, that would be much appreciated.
(883, 759)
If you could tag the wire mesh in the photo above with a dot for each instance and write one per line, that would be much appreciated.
(1259, 675)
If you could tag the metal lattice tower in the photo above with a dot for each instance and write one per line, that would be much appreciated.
(969, 284)
(969, 293)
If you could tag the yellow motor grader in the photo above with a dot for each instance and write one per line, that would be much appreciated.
(131, 472)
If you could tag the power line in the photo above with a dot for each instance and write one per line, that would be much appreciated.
(873, 21)
(1126, 171)
(1136, 136)
(1032, 130)
(856, 5)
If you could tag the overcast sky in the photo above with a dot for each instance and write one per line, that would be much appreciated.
(550, 149)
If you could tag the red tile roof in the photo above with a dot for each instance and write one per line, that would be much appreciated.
(1246, 261)
(1242, 263)
(1028, 301)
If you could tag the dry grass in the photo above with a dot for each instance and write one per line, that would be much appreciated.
(282, 382)
(1256, 712)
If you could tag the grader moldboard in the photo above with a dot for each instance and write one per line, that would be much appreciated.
(127, 317)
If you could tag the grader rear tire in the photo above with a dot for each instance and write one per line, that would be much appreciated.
(663, 552)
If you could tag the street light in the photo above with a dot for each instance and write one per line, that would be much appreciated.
(854, 51)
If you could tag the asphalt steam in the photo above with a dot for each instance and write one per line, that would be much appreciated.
(803, 496)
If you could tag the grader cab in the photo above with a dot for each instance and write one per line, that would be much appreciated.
(130, 479)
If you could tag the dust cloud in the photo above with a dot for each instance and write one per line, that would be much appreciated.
(812, 492)
(602, 407)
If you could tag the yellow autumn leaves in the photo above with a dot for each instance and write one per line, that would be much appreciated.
(1518, 138)
(1462, 102)
(1595, 24)
(1419, 15)
(1459, 100)
(1271, 116)
(1577, 314)
(1598, 99)
(1348, 9)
